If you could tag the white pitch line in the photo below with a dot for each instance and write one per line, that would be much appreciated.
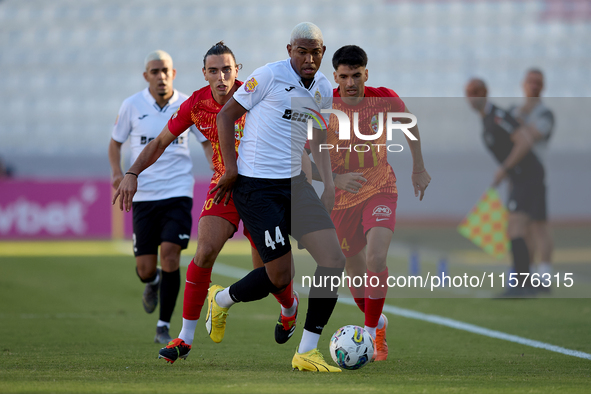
(234, 272)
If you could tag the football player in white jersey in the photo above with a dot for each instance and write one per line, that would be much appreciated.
(271, 192)
(162, 206)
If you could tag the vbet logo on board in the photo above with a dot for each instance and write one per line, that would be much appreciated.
(377, 126)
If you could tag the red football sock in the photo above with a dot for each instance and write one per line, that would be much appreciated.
(285, 297)
(196, 287)
(375, 297)
(358, 294)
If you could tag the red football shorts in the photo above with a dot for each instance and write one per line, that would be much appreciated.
(220, 210)
(352, 224)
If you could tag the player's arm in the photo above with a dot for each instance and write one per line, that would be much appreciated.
(420, 177)
(208, 151)
(148, 156)
(350, 182)
(541, 127)
(322, 160)
(523, 140)
(228, 115)
(115, 161)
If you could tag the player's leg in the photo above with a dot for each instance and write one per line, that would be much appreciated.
(285, 297)
(170, 284)
(378, 243)
(274, 277)
(530, 241)
(516, 232)
(378, 223)
(519, 206)
(148, 272)
(176, 221)
(356, 267)
(324, 247)
(352, 241)
(544, 245)
(213, 232)
(540, 230)
(146, 238)
(262, 206)
(313, 228)
(288, 298)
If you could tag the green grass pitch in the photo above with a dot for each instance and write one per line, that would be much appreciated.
(76, 325)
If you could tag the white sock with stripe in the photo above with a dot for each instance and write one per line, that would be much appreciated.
(309, 341)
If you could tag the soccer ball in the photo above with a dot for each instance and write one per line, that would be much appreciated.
(351, 347)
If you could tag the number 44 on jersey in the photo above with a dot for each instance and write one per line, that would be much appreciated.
(278, 238)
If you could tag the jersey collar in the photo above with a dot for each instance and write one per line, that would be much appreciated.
(152, 101)
(298, 77)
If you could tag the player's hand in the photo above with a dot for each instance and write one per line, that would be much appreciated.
(420, 181)
(327, 198)
(116, 180)
(223, 190)
(499, 176)
(349, 182)
(127, 188)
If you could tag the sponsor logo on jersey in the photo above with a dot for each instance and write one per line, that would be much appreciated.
(184, 236)
(289, 89)
(144, 140)
(175, 114)
(142, 117)
(296, 116)
(382, 210)
(250, 85)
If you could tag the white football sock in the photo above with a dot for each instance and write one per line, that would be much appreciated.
(381, 322)
(309, 341)
(188, 331)
(545, 268)
(289, 312)
(163, 324)
(223, 298)
(371, 331)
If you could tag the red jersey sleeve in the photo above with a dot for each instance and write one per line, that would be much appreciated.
(181, 120)
(397, 104)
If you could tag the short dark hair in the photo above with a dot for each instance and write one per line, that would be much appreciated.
(219, 49)
(349, 55)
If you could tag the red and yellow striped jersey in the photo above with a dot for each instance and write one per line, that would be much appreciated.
(369, 158)
(201, 110)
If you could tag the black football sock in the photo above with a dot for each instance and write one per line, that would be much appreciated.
(169, 291)
(520, 259)
(254, 286)
(322, 300)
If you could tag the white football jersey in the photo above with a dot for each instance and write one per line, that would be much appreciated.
(141, 119)
(275, 129)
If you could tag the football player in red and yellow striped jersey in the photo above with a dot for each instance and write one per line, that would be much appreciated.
(365, 205)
